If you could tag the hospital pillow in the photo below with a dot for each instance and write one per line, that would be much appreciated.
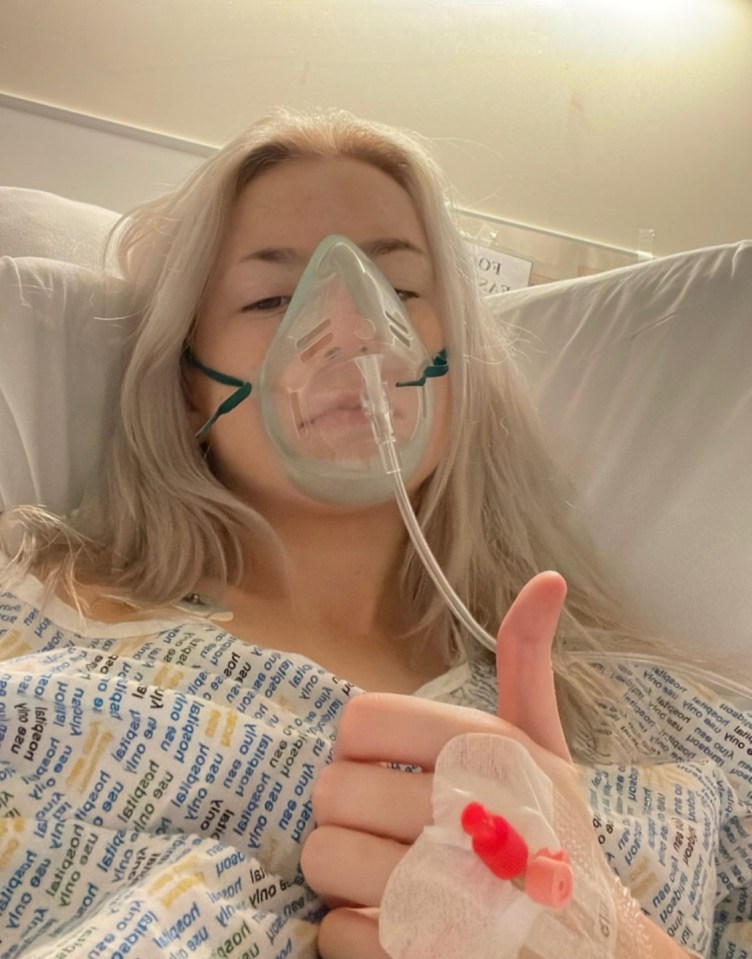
(34, 223)
(60, 363)
(641, 377)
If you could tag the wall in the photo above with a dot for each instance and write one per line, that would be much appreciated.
(591, 118)
(99, 162)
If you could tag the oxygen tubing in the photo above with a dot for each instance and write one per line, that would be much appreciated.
(376, 408)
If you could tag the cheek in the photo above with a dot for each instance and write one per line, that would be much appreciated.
(241, 453)
(425, 319)
(235, 345)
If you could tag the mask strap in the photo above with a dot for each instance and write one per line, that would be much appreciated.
(242, 392)
(439, 366)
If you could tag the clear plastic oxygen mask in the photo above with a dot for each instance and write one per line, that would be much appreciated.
(310, 386)
(312, 392)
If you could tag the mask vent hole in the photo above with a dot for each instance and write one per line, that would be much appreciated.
(399, 329)
(297, 413)
(316, 347)
(313, 334)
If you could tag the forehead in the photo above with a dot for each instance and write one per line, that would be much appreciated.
(298, 202)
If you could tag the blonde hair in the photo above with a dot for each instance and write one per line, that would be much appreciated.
(495, 512)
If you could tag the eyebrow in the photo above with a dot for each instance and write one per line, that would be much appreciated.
(290, 256)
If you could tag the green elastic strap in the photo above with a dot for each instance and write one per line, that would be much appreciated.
(242, 392)
(439, 366)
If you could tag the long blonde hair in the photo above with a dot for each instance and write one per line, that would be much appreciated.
(495, 512)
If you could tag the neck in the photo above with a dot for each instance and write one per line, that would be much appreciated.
(338, 599)
(342, 568)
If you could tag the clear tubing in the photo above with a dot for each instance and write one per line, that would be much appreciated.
(456, 605)
(376, 407)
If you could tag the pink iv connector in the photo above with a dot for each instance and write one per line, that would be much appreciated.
(546, 877)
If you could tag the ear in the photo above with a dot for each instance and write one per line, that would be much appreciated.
(527, 695)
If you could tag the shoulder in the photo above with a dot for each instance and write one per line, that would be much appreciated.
(26, 600)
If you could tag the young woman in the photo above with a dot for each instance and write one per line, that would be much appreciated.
(179, 654)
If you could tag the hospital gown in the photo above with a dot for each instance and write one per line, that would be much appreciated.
(155, 789)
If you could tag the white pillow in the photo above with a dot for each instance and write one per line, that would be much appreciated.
(35, 223)
(642, 377)
(61, 365)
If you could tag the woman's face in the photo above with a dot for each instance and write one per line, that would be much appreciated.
(278, 221)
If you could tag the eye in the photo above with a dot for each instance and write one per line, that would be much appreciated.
(270, 304)
(406, 295)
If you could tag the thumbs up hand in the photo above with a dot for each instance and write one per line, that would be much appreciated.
(368, 815)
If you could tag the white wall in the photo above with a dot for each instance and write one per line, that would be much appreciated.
(98, 163)
(593, 118)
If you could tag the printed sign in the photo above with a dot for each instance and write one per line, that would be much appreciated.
(499, 272)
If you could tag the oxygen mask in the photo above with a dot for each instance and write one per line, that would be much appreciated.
(345, 342)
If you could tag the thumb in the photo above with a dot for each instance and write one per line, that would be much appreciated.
(527, 697)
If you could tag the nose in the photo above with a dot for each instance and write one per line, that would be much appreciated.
(348, 331)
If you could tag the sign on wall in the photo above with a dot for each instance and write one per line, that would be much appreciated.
(499, 272)
(508, 256)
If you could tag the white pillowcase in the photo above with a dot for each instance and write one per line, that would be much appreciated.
(61, 365)
(35, 223)
(641, 377)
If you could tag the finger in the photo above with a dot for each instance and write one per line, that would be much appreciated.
(373, 799)
(332, 861)
(527, 695)
(391, 728)
(350, 934)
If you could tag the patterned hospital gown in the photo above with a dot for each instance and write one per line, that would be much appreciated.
(155, 784)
